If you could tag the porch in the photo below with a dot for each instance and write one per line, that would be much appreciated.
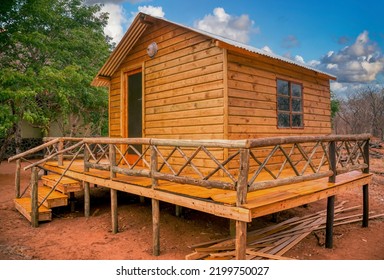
(256, 178)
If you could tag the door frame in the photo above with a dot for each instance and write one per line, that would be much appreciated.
(124, 98)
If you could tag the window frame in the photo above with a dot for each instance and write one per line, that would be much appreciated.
(290, 97)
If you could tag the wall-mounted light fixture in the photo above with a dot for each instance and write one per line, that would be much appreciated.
(152, 50)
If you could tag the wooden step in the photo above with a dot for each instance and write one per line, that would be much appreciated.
(23, 205)
(65, 186)
(55, 199)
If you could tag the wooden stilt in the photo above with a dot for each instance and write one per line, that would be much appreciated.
(329, 224)
(232, 227)
(115, 225)
(365, 206)
(365, 187)
(155, 206)
(156, 226)
(142, 199)
(17, 179)
(242, 190)
(72, 201)
(87, 200)
(178, 210)
(34, 198)
(241, 240)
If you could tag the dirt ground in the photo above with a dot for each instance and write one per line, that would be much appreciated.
(70, 236)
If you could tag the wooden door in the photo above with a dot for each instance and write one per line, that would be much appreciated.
(134, 110)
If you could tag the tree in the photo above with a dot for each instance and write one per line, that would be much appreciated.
(362, 112)
(335, 107)
(50, 50)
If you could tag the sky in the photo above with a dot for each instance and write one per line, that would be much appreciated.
(342, 38)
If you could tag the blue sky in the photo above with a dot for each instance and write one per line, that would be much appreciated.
(343, 38)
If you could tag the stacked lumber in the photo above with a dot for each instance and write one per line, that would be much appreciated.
(274, 241)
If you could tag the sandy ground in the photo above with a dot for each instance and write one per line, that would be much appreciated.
(70, 236)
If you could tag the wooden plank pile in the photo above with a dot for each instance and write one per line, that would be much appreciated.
(274, 241)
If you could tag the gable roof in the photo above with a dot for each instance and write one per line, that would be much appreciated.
(140, 24)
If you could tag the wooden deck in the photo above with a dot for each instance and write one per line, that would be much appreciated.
(258, 177)
(259, 203)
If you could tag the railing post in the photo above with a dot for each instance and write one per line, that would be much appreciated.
(17, 178)
(332, 161)
(331, 199)
(34, 198)
(60, 157)
(365, 187)
(112, 160)
(242, 189)
(155, 206)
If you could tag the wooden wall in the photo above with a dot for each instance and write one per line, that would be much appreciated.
(183, 89)
(193, 89)
(183, 85)
(252, 98)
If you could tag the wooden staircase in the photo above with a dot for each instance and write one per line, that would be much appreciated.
(58, 198)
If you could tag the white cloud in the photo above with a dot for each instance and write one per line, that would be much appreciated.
(340, 88)
(116, 22)
(153, 11)
(300, 59)
(119, 20)
(361, 62)
(267, 49)
(234, 27)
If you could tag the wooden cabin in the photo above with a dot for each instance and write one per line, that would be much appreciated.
(167, 80)
(197, 113)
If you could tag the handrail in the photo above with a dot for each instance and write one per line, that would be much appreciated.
(272, 141)
(220, 143)
(53, 155)
(34, 150)
(53, 188)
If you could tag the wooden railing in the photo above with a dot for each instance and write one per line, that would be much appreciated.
(248, 165)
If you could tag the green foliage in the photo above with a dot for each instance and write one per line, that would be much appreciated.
(335, 105)
(50, 50)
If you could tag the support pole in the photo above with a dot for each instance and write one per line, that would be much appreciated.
(34, 198)
(329, 225)
(365, 187)
(331, 199)
(112, 159)
(178, 210)
(72, 201)
(232, 228)
(17, 178)
(114, 211)
(87, 200)
(156, 226)
(241, 240)
(365, 206)
(155, 206)
(242, 190)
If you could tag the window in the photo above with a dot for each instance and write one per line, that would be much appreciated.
(289, 104)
